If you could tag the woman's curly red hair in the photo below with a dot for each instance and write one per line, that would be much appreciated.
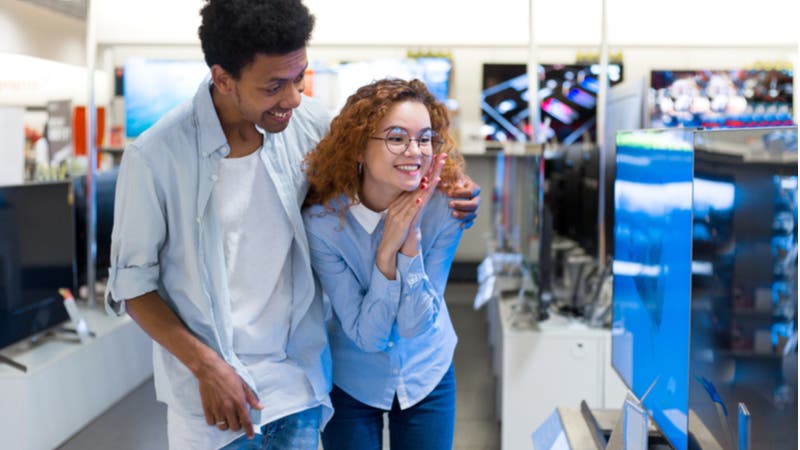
(332, 167)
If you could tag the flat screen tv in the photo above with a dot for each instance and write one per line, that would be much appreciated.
(37, 257)
(152, 87)
(105, 188)
(435, 71)
(652, 273)
(334, 84)
(720, 98)
(567, 98)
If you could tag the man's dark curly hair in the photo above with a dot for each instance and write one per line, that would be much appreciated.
(232, 32)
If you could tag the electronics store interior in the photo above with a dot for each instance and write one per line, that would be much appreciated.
(630, 281)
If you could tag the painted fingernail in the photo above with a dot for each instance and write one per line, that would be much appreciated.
(419, 200)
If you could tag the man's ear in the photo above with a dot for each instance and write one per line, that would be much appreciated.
(222, 79)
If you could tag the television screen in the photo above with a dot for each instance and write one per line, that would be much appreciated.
(334, 84)
(720, 98)
(713, 207)
(652, 273)
(744, 278)
(567, 97)
(435, 71)
(154, 86)
(37, 257)
(105, 187)
(572, 189)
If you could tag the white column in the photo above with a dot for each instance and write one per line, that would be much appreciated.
(91, 153)
(602, 96)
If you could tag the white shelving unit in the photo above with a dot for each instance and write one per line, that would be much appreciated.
(68, 384)
(557, 362)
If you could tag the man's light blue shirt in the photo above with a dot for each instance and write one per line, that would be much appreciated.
(166, 238)
(388, 337)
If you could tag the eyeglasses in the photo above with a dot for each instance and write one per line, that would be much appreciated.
(397, 141)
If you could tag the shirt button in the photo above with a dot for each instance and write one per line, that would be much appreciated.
(390, 344)
(394, 371)
(199, 219)
(214, 177)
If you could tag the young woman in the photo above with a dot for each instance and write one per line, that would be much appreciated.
(382, 241)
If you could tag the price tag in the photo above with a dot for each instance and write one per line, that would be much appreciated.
(485, 292)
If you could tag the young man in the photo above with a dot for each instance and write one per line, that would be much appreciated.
(209, 253)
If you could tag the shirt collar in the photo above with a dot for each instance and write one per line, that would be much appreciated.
(367, 218)
(211, 138)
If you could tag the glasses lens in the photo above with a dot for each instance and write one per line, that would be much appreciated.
(397, 140)
(429, 142)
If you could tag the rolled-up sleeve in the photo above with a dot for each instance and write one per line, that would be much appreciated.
(424, 281)
(366, 315)
(138, 234)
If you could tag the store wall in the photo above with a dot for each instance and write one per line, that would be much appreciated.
(30, 30)
(43, 57)
(500, 22)
(646, 32)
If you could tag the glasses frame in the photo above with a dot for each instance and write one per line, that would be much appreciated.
(436, 142)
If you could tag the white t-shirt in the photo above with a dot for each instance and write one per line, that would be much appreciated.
(257, 234)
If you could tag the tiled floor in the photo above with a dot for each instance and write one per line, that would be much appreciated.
(138, 422)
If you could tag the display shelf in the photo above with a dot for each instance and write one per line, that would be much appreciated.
(68, 384)
(559, 361)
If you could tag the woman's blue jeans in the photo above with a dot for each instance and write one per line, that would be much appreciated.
(428, 425)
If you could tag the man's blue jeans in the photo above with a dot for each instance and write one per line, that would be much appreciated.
(299, 431)
(428, 425)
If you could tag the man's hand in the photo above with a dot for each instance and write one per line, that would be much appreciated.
(225, 397)
(465, 198)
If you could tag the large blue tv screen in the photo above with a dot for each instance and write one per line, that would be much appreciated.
(152, 87)
(652, 273)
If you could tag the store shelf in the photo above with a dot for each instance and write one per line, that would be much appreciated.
(68, 384)
(539, 367)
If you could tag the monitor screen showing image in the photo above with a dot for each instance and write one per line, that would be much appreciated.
(333, 84)
(720, 98)
(567, 98)
(105, 187)
(153, 87)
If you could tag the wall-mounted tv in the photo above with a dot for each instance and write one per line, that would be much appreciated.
(720, 98)
(567, 98)
(333, 84)
(152, 87)
(37, 257)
